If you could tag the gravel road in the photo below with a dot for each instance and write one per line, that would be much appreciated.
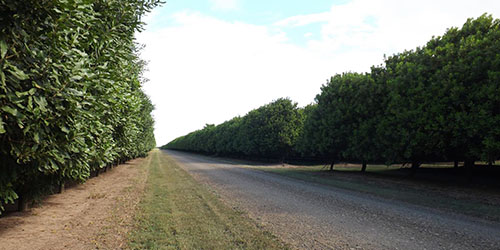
(314, 216)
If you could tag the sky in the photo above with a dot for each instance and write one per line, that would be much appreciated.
(212, 60)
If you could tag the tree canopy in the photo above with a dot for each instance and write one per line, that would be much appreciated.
(438, 102)
(269, 131)
(70, 91)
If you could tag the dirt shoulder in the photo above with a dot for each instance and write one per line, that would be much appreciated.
(95, 215)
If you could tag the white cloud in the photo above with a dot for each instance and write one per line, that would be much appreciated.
(302, 20)
(205, 70)
(225, 4)
(388, 26)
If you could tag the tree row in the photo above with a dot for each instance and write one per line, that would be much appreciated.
(70, 91)
(438, 102)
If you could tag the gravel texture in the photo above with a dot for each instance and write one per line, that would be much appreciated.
(314, 216)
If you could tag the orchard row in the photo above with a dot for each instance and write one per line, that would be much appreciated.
(70, 91)
(439, 102)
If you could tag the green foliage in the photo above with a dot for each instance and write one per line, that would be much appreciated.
(269, 131)
(435, 103)
(342, 125)
(70, 91)
(439, 102)
(411, 126)
(304, 146)
(444, 102)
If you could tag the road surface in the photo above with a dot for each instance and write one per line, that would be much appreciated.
(314, 216)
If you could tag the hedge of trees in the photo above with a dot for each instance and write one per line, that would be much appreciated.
(70, 91)
(439, 102)
(267, 132)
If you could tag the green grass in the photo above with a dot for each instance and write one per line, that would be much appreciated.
(179, 213)
(383, 185)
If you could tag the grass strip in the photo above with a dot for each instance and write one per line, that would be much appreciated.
(179, 213)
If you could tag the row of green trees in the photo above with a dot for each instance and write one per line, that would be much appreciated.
(270, 131)
(70, 91)
(439, 102)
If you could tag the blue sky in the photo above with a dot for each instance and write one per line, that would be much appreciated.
(211, 60)
(256, 12)
(260, 12)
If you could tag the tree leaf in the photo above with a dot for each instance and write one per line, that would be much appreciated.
(65, 129)
(42, 103)
(2, 78)
(3, 49)
(2, 129)
(10, 110)
(36, 137)
(17, 73)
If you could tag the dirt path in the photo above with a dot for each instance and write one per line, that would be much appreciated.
(313, 216)
(94, 215)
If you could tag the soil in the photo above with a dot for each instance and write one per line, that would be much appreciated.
(97, 214)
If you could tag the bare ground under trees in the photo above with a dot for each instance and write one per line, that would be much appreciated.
(95, 215)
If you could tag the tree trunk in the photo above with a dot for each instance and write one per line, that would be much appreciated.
(414, 166)
(61, 187)
(331, 165)
(22, 204)
(468, 164)
(363, 167)
(468, 167)
(455, 164)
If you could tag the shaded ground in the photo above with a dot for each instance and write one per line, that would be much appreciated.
(95, 215)
(446, 189)
(311, 215)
